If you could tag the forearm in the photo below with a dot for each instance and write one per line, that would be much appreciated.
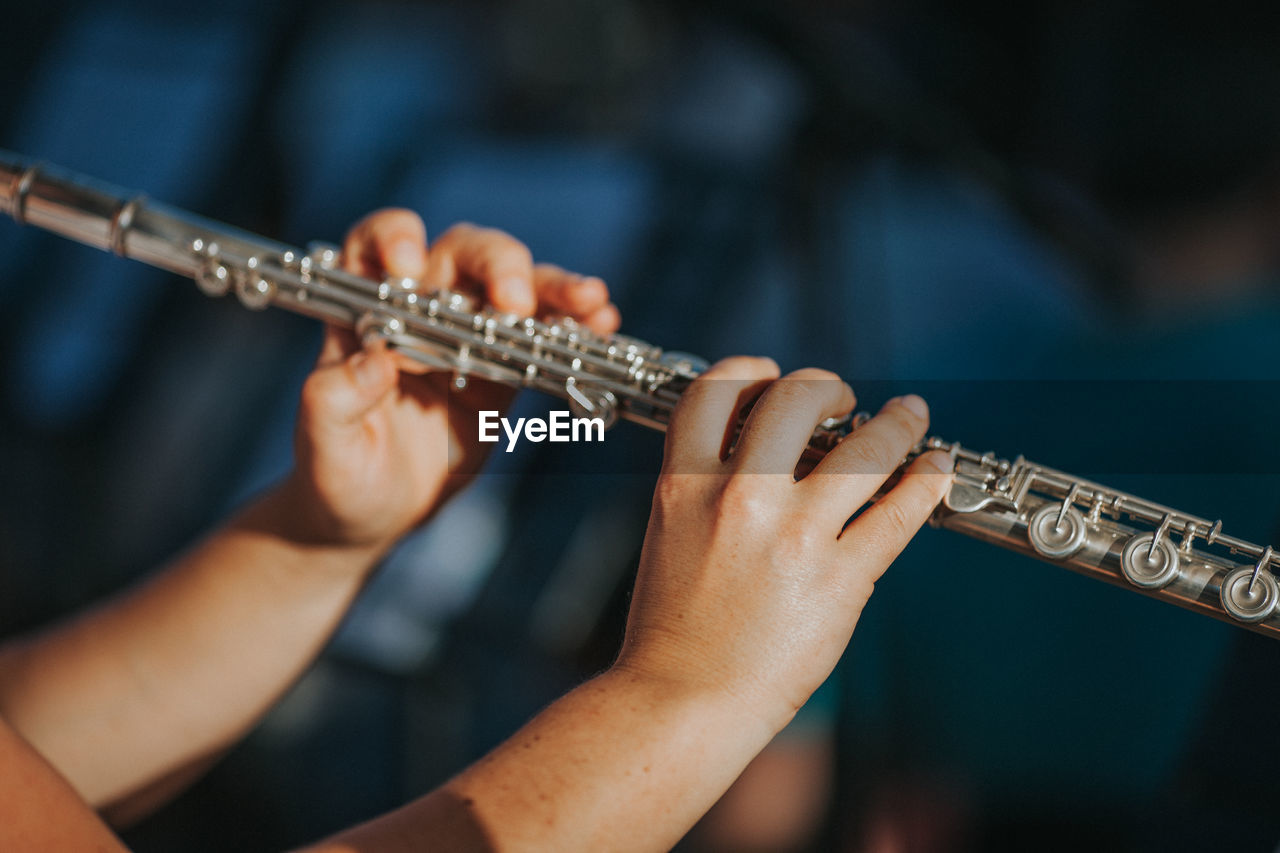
(621, 763)
(179, 667)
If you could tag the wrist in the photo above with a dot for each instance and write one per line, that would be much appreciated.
(718, 707)
(290, 514)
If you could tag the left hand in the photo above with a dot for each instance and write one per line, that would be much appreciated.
(751, 581)
(380, 442)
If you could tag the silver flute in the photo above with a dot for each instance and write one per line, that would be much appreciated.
(1095, 530)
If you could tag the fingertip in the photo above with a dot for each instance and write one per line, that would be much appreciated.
(406, 258)
(916, 406)
(593, 283)
(935, 462)
(767, 365)
(812, 374)
(744, 367)
(936, 472)
(587, 295)
(562, 292)
(501, 264)
(513, 294)
(604, 321)
(850, 398)
(390, 241)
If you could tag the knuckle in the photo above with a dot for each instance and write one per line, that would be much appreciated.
(902, 429)
(455, 233)
(709, 388)
(813, 374)
(678, 496)
(702, 384)
(871, 454)
(810, 389)
(689, 401)
(670, 491)
(805, 538)
(500, 252)
(741, 497)
(743, 367)
(896, 522)
(516, 251)
(789, 393)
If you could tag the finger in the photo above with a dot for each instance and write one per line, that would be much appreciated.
(605, 321)
(883, 530)
(563, 292)
(339, 344)
(499, 263)
(706, 418)
(335, 398)
(850, 474)
(390, 242)
(780, 425)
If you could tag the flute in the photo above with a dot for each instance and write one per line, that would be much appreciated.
(1090, 528)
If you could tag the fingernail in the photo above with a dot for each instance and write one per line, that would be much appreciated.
(941, 461)
(915, 405)
(405, 258)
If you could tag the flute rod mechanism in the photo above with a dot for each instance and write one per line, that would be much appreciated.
(1090, 528)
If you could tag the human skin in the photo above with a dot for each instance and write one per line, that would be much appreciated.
(131, 699)
(749, 588)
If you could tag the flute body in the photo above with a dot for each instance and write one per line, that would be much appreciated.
(1098, 531)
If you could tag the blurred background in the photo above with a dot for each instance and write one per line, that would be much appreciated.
(968, 199)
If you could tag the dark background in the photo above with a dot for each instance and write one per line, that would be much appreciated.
(951, 196)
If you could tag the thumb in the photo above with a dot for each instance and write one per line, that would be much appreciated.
(339, 395)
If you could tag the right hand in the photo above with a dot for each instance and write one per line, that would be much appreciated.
(750, 582)
(379, 448)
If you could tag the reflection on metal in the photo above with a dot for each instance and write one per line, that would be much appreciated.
(1101, 532)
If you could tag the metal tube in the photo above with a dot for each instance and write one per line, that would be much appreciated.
(1019, 505)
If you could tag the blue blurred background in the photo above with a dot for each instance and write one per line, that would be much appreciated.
(918, 194)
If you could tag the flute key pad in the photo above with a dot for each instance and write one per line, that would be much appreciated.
(1248, 598)
(1146, 567)
(1057, 540)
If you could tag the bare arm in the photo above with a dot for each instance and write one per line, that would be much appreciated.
(747, 594)
(749, 587)
(40, 810)
(138, 693)
(180, 667)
